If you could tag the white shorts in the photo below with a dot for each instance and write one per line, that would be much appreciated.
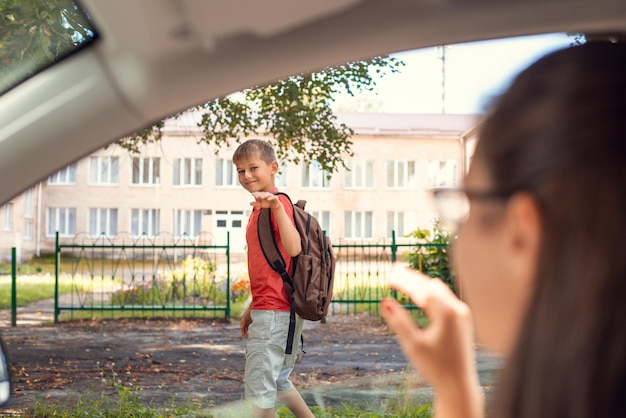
(267, 366)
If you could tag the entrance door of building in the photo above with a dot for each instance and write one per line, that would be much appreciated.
(233, 221)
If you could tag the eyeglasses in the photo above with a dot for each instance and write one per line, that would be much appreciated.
(453, 204)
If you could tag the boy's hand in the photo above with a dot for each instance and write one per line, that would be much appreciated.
(244, 323)
(265, 200)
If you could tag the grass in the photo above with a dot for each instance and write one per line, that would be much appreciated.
(31, 289)
(116, 399)
(113, 398)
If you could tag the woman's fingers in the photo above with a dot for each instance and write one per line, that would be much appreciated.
(409, 281)
(400, 322)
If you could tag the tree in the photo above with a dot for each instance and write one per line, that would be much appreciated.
(295, 113)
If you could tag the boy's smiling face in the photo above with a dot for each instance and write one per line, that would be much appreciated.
(256, 175)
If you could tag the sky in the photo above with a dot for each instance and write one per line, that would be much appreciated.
(474, 72)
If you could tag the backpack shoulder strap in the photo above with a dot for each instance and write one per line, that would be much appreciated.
(269, 246)
(268, 243)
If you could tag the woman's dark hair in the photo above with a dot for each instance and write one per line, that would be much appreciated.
(559, 133)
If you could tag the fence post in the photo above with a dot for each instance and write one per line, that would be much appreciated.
(227, 275)
(57, 255)
(13, 287)
(394, 247)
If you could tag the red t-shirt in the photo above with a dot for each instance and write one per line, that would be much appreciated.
(266, 286)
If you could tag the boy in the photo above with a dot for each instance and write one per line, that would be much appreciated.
(265, 323)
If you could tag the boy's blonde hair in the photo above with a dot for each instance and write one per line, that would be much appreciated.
(255, 148)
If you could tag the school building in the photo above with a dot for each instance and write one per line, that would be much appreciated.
(179, 187)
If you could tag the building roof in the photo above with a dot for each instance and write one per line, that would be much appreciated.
(363, 123)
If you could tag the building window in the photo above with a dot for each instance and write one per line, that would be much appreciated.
(103, 221)
(64, 176)
(323, 218)
(61, 220)
(146, 171)
(28, 229)
(28, 214)
(401, 174)
(359, 174)
(226, 173)
(395, 222)
(8, 217)
(187, 172)
(280, 180)
(358, 225)
(187, 222)
(104, 170)
(28, 204)
(144, 222)
(314, 177)
(442, 173)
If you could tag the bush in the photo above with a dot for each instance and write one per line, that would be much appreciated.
(431, 254)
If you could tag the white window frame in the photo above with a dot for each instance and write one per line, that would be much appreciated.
(359, 174)
(187, 221)
(323, 218)
(358, 225)
(65, 176)
(401, 174)
(29, 213)
(226, 174)
(104, 170)
(314, 177)
(8, 217)
(145, 222)
(61, 217)
(442, 173)
(187, 172)
(103, 221)
(396, 221)
(146, 171)
(280, 180)
(29, 210)
(28, 229)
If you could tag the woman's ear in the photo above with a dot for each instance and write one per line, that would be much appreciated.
(524, 227)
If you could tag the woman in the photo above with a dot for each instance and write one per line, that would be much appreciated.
(540, 250)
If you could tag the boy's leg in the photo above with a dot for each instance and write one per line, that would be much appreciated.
(287, 394)
(263, 413)
(267, 367)
(292, 400)
(263, 361)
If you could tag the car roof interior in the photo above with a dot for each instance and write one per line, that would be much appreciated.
(154, 58)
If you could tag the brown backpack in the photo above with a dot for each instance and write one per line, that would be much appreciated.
(310, 284)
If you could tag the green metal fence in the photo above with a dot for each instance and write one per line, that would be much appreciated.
(362, 271)
(144, 276)
(153, 276)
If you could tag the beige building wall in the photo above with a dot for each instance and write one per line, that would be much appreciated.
(399, 157)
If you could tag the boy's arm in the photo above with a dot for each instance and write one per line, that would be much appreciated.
(289, 236)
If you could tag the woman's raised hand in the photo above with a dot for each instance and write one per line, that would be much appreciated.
(443, 352)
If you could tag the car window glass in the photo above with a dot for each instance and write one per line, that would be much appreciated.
(35, 35)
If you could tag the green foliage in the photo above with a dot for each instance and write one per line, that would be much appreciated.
(431, 254)
(295, 113)
(35, 34)
(195, 280)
